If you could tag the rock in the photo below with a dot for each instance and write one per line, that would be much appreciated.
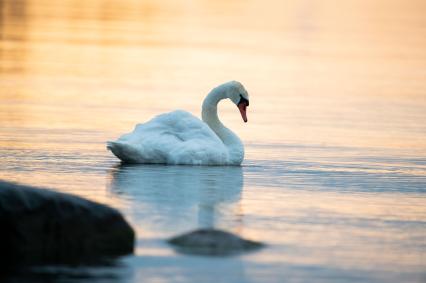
(40, 226)
(212, 242)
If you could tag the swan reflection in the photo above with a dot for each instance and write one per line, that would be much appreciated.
(169, 199)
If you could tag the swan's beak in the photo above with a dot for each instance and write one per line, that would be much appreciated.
(243, 106)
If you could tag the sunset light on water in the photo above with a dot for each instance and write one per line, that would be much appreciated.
(334, 176)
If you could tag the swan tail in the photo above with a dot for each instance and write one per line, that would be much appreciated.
(127, 153)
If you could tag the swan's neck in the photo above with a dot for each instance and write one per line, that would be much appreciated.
(210, 117)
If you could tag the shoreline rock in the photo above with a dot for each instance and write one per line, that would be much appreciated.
(212, 242)
(40, 226)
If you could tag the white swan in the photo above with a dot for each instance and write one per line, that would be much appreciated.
(179, 137)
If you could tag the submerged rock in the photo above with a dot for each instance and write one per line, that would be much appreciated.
(40, 226)
(212, 242)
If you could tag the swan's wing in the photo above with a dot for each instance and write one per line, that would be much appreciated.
(176, 138)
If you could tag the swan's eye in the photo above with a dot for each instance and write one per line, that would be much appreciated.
(243, 100)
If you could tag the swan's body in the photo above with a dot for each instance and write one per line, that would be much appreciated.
(179, 137)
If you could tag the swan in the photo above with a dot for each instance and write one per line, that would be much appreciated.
(180, 138)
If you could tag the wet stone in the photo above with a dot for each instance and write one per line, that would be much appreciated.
(212, 242)
(40, 226)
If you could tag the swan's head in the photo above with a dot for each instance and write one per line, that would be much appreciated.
(238, 94)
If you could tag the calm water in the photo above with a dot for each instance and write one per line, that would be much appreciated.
(334, 179)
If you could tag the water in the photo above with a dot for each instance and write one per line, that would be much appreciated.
(334, 178)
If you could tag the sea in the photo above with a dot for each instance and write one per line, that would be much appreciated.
(334, 176)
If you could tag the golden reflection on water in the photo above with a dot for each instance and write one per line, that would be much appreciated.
(315, 75)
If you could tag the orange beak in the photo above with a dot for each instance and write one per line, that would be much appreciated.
(242, 107)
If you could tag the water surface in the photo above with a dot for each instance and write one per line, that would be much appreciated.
(334, 179)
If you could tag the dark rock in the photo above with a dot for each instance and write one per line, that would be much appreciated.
(212, 242)
(40, 226)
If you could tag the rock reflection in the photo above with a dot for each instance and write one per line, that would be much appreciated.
(178, 198)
